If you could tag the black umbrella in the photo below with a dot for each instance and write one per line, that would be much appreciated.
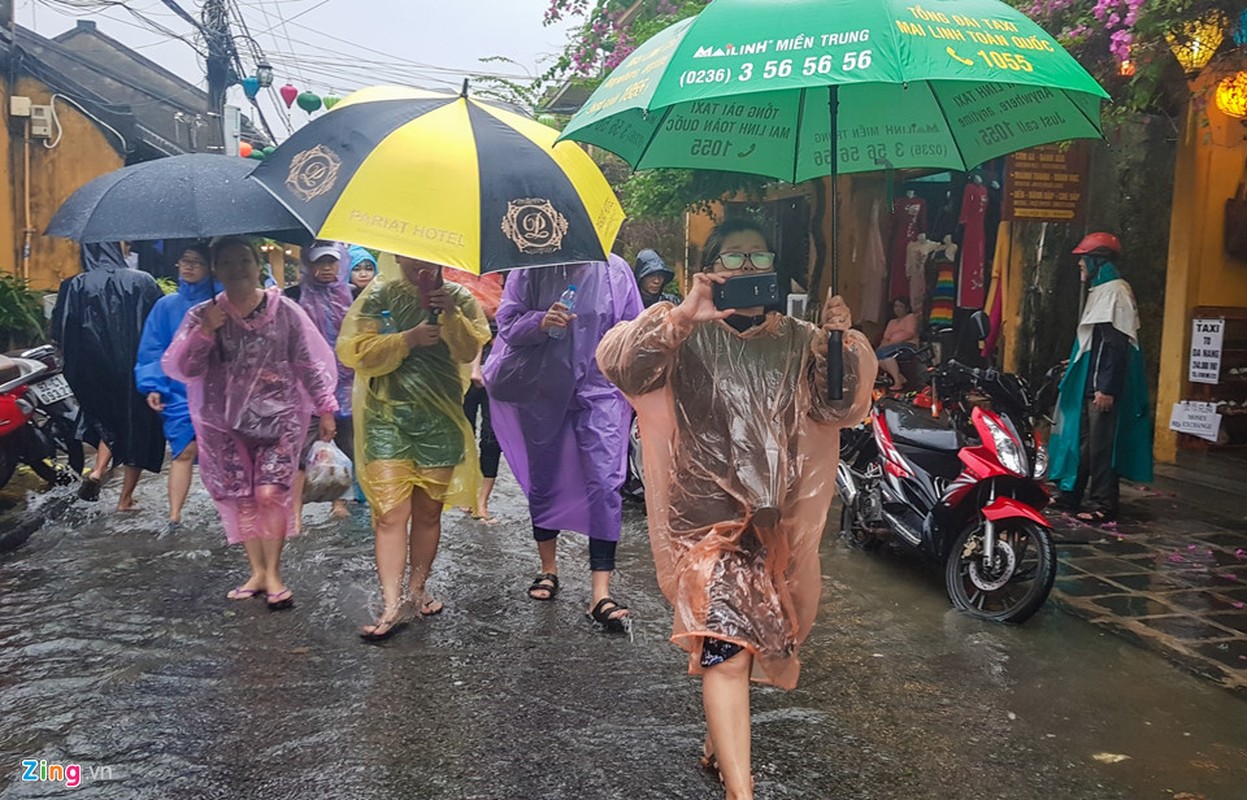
(194, 196)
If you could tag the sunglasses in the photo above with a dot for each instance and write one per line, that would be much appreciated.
(735, 261)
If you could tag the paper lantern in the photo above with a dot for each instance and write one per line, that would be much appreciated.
(245, 150)
(1194, 43)
(258, 155)
(331, 100)
(250, 86)
(1232, 96)
(268, 151)
(289, 93)
(309, 102)
(1240, 35)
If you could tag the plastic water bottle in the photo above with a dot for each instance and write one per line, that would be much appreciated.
(387, 323)
(568, 299)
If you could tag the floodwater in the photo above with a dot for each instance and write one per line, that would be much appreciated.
(119, 653)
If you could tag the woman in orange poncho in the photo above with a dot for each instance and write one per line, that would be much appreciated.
(740, 446)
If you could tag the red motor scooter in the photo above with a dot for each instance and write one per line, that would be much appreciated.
(956, 474)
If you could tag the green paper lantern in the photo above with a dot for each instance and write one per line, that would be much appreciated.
(268, 151)
(309, 102)
(331, 100)
(258, 155)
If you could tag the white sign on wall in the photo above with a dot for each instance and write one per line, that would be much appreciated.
(1206, 336)
(1196, 419)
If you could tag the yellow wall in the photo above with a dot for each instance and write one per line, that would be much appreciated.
(84, 152)
(1210, 164)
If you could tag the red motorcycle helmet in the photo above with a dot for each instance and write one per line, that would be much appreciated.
(1099, 244)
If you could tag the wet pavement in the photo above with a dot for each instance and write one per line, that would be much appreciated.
(119, 653)
(1170, 576)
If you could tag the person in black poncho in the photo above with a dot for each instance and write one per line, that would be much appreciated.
(98, 321)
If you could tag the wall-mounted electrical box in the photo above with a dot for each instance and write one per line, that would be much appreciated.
(19, 106)
(41, 122)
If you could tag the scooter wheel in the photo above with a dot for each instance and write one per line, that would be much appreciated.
(1017, 581)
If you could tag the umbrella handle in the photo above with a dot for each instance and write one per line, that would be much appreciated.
(835, 365)
(220, 345)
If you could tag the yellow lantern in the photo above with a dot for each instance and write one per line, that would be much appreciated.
(1232, 96)
(1195, 42)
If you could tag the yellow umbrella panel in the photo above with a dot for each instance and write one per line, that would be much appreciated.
(446, 179)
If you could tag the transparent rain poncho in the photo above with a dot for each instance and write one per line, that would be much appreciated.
(410, 429)
(741, 446)
(252, 387)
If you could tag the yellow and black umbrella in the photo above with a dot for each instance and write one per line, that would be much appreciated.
(445, 178)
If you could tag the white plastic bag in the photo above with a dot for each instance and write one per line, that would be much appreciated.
(329, 473)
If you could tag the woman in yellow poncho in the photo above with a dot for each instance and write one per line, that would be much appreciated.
(407, 337)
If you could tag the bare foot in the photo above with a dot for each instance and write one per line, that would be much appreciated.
(339, 510)
(430, 607)
(127, 505)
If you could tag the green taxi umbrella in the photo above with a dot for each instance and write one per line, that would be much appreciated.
(774, 87)
(745, 86)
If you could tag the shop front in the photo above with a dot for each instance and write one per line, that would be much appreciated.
(1202, 393)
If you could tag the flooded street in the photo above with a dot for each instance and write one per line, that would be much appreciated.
(119, 653)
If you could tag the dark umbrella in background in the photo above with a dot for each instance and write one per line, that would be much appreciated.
(194, 196)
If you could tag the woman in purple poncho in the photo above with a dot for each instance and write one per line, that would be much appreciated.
(324, 292)
(255, 371)
(563, 427)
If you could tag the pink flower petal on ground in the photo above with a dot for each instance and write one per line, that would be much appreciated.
(1176, 558)
(1240, 553)
(1238, 604)
(1190, 547)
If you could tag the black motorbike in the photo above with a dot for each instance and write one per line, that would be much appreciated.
(955, 473)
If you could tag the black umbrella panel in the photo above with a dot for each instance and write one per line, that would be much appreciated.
(194, 196)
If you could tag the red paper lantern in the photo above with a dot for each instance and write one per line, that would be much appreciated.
(289, 94)
(245, 149)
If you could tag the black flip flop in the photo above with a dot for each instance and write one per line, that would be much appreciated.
(380, 636)
(285, 600)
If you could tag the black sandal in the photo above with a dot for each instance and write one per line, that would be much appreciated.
(546, 582)
(89, 489)
(601, 615)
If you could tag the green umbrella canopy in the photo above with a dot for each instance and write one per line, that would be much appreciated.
(746, 86)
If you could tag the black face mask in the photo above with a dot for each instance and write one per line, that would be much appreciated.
(741, 323)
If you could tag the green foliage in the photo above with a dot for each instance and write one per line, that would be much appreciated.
(167, 285)
(604, 40)
(1103, 33)
(21, 311)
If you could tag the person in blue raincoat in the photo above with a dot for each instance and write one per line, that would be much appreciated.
(1103, 429)
(165, 395)
(363, 269)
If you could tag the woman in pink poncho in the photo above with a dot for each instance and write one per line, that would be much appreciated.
(741, 445)
(255, 369)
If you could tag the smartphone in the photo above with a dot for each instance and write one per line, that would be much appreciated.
(429, 279)
(747, 291)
